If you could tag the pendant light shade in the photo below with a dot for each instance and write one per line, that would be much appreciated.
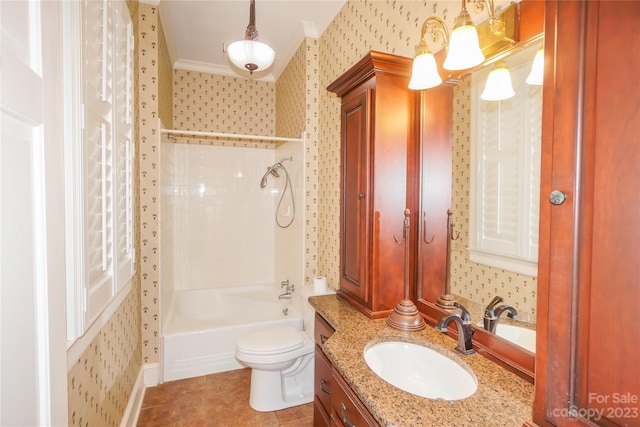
(498, 86)
(464, 46)
(249, 53)
(424, 74)
(537, 69)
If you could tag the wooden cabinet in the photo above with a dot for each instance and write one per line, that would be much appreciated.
(334, 403)
(434, 172)
(588, 353)
(347, 410)
(376, 130)
(323, 375)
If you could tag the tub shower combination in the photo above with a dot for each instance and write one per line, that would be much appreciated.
(219, 242)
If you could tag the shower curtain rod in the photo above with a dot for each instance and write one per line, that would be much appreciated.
(230, 135)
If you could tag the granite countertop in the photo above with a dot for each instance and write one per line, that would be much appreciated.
(502, 398)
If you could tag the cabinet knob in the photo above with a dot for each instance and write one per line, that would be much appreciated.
(557, 197)
(360, 196)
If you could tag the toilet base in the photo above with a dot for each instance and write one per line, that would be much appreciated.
(275, 390)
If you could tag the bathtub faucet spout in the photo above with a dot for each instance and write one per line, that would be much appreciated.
(286, 295)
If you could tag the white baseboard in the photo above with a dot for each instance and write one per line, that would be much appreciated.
(132, 412)
(151, 374)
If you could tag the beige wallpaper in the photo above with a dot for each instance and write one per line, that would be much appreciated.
(100, 382)
(165, 81)
(394, 27)
(214, 103)
(153, 73)
(297, 91)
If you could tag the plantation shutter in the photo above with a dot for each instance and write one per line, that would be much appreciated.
(98, 157)
(123, 123)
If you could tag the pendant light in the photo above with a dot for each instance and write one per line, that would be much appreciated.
(498, 86)
(249, 53)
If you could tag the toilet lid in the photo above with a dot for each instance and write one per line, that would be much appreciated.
(272, 340)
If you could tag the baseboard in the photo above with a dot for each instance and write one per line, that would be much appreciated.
(151, 374)
(132, 412)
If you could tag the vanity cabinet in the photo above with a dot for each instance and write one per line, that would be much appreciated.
(323, 375)
(334, 403)
(376, 129)
(347, 410)
(588, 353)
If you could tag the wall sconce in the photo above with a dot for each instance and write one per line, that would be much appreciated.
(537, 69)
(463, 46)
(250, 53)
(424, 74)
(498, 86)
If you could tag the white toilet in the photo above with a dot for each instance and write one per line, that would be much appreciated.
(281, 359)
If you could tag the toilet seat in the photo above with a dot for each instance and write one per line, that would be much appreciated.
(276, 340)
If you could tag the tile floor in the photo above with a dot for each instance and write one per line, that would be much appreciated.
(217, 400)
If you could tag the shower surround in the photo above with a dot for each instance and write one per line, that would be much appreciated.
(218, 232)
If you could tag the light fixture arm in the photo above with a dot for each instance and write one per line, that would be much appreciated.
(496, 25)
(436, 28)
(252, 32)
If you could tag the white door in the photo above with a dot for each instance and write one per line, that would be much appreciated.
(32, 321)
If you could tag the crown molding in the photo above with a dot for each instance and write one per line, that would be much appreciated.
(205, 67)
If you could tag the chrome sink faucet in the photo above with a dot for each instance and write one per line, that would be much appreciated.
(492, 314)
(288, 289)
(465, 330)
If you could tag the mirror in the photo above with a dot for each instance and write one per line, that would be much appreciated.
(472, 279)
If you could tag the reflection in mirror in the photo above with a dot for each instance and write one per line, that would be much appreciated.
(495, 195)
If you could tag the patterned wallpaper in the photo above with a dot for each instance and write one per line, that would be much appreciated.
(297, 91)
(153, 73)
(99, 384)
(394, 27)
(214, 103)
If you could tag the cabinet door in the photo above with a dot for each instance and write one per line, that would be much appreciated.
(355, 198)
(323, 385)
(588, 358)
(435, 190)
(347, 410)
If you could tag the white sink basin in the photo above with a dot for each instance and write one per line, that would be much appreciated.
(420, 370)
(523, 337)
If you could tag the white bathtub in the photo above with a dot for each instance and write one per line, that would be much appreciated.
(202, 326)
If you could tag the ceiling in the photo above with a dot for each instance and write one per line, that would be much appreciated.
(197, 30)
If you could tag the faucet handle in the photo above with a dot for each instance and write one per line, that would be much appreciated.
(488, 312)
(284, 283)
(465, 316)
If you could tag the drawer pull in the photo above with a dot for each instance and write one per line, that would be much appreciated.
(345, 420)
(323, 339)
(322, 387)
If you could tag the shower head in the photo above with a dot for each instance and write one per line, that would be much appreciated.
(271, 170)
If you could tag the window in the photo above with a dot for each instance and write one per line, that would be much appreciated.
(505, 171)
(99, 152)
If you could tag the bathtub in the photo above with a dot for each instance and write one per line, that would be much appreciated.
(202, 326)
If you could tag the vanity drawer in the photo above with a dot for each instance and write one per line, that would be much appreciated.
(323, 383)
(322, 330)
(347, 409)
